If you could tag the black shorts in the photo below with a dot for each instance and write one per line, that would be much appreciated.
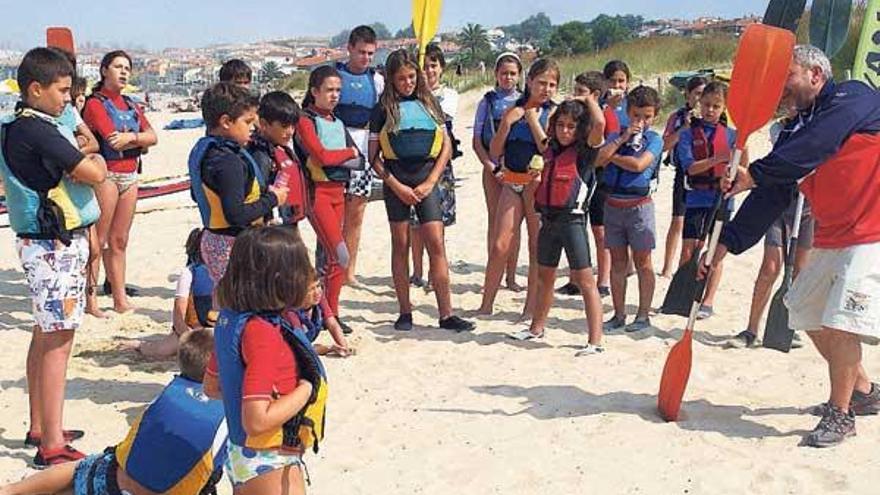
(597, 207)
(428, 210)
(678, 192)
(564, 231)
(699, 220)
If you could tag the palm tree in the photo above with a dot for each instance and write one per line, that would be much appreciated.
(269, 72)
(474, 39)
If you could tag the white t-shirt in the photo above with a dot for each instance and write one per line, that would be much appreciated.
(448, 99)
(184, 283)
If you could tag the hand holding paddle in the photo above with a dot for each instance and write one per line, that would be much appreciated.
(760, 70)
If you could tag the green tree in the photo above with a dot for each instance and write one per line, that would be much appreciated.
(571, 38)
(607, 31)
(407, 32)
(473, 39)
(341, 38)
(269, 72)
(382, 31)
(536, 29)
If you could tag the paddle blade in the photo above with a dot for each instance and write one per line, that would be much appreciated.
(784, 14)
(60, 37)
(867, 66)
(829, 24)
(759, 73)
(680, 294)
(676, 373)
(778, 334)
(426, 18)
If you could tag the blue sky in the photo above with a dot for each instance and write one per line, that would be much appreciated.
(187, 23)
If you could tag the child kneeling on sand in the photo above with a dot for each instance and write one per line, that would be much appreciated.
(632, 159)
(273, 384)
(567, 182)
(176, 447)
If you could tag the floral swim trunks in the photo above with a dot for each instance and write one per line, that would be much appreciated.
(56, 280)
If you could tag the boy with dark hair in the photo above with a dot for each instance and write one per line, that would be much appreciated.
(177, 446)
(361, 87)
(237, 72)
(270, 146)
(226, 182)
(632, 161)
(51, 203)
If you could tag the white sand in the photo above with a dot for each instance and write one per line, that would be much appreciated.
(434, 412)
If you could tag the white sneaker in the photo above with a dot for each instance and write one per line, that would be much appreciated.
(589, 350)
(524, 335)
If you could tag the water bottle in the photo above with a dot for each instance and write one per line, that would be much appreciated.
(282, 178)
(637, 141)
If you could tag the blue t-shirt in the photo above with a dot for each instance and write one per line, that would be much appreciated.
(684, 152)
(615, 176)
(70, 118)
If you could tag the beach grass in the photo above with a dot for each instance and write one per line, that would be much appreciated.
(648, 58)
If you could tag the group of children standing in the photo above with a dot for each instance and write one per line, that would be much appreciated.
(266, 164)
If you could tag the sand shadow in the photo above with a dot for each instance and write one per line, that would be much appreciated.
(14, 448)
(119, 355)
(101, 391)
(548, 402)
(14, 298)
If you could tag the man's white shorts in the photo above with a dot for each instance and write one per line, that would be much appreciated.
(839, 289)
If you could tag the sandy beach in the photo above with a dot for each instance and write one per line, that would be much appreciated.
(433, 412)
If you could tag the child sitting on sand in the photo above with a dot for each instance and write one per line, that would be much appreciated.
(632, 159)
(192, 302)
(567, 181)
(271, 381)
(177, 446)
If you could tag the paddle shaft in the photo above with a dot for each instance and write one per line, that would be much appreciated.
(793, 238)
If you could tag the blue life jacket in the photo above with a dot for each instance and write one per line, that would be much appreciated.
(123, 121)
(45, 215)
(520, 147)
(210, 207)
(621, 182)
(178, 445)
(201, 296)
(495, 108)
(358, 97)
(418, 137)
(306, 429)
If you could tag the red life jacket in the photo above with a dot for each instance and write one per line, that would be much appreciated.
(844, 194)
(567, 183)
(702, 149)
(612, 123)
(298, 189)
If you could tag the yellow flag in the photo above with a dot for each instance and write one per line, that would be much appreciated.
(867, 66)
(426, 18)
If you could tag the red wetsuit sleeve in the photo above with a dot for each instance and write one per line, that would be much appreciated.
(212, 368)
(269, 363)
(95, 116)
(325, 307)
(308, 137)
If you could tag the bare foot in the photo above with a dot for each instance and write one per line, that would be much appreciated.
(526, 316)
(124, 307)
(665, 275)
(159, 349)
(96, 312)
(514, 287)
(483, 312)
